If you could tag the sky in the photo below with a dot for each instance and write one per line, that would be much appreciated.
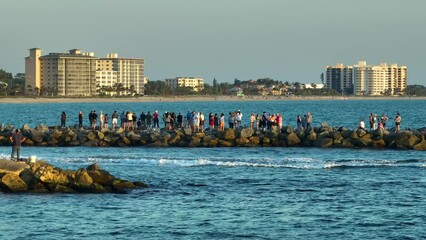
(287, 40)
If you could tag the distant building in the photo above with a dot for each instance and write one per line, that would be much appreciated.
(197, 84)
(363, 79)
(339, 78)
(381, 79)
(314, 86)
(82, 74)
(32, 71)
(129, 72)
(69, 74)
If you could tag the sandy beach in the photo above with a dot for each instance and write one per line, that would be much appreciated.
(190, 98)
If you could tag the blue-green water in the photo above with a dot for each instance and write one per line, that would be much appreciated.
(339, 113)
(233, 193)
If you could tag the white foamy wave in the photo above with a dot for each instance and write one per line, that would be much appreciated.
(260, 163)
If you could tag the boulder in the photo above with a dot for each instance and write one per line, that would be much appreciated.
(121, 186)
(229, 134)
(140, 184)
(83, 180)
(288, 129)
(325, 142)
(93, 167)
(292, 139)
(225, 143)
(94, 143)
(101, 135)
(37, 136)
(50, 175)
(421, 146)
(255, 140)
(126, 141)
(246, 133)
(56, 134)
(92, 136)
(188, 131)
(63, 189)
(312, 136)
(134, 137)
(7, 166)
(379, 143)
(11, 182)
(101, 177)
(241, 141)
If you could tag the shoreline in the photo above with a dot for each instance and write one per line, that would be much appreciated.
(190, 98)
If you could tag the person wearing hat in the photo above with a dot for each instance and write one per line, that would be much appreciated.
(16, 140)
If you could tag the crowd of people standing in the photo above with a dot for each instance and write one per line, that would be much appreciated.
(198, 122)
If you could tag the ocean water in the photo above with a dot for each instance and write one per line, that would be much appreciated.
(231, 193)
(339, 113)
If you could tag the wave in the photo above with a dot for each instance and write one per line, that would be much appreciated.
(233, 161)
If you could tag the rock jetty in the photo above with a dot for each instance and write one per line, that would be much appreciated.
(323, 136)
(41, 177)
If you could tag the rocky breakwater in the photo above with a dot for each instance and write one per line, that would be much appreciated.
(323, 136)
(41, 177)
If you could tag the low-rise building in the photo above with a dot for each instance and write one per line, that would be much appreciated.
(196, 84)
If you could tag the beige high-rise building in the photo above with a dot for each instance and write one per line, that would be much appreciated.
(381, 79)
(69, 74)
(82, 74)
(197, 84)
(32, 72)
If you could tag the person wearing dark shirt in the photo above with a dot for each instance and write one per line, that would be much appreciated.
(63, 119)
(179, 120)
(16, 140)
(80, 119)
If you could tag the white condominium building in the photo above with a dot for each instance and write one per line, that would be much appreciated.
(382, 79)
(129, 71)
(197, 84)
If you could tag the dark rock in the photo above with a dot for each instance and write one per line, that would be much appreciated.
(325, 142)
(292, 139)
(93, 167)
(121, 186)
(140, 184)
(421, 146)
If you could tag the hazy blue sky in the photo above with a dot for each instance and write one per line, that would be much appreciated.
(288, 40)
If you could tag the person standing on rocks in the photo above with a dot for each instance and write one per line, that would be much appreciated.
(308, 120)
(16, 140)
(95, 119)
(63, 119)
(80, 119)
(398, 122)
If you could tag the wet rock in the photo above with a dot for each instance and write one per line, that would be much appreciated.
(325, 142)
(121, 186)
(224, 143)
